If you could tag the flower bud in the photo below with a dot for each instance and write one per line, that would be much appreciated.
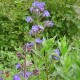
(28, 46)
(35, 72)
(48, 23)
(29, 19)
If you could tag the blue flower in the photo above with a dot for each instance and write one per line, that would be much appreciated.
(35, 3)
(42, 3)
(18, 65)
(32, 9)
(39, 5)
(1, 78)
(35, 10)
(28, 46)
(28, 74)
(41, 8)
(46, 13)
(38, 40)
(16, 77)
(57, 52)
(48, 23)
(35, 28)
(29, 19)
(55, 55)
(31, 32)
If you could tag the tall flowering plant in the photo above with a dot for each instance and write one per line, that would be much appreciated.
(39, 14)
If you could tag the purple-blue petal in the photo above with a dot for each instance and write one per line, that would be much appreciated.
(41, 27)
(41, 8)
(46, 13)
(35, 3)
(27, 45)
(51, 23)
(32, 9)
(39, 5)
(55, 57)
(31, 32)
(16, 77)
(48, 23)
(57, 51)
(42, 3)
(27, 74)
(18, 65)
(38, 40)
(29, 19)
(35, 28)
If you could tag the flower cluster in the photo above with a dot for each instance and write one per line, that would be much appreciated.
(38, 8)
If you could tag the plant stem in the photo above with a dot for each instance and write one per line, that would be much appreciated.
(25, 66)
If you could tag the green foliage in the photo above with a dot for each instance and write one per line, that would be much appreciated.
(7, 59)
(64, 17)
(13, 27)
(63, 46)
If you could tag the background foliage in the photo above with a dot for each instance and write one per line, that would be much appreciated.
(14, 29)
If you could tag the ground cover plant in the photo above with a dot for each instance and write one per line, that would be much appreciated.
(39, 40)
